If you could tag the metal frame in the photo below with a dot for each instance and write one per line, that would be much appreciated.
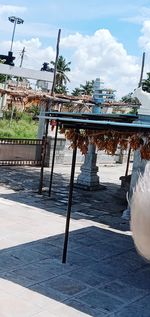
(73, 121)
(53, 160)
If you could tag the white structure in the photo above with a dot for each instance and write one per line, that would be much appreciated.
(26, 73)
(144, 98)
(139, 164)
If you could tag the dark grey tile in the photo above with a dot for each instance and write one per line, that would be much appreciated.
(98, 300)
(88, 277)
(65, 285)
(139, 279)
(124, 292)
(140, 308)
(85, 308)
(26, 255)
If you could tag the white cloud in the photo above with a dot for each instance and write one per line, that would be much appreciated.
(91, 56)
(140, 16)
(10, 9)
(35, 54)
(144, 40)
(101, 55)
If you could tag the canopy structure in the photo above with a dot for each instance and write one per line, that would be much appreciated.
(127, 124)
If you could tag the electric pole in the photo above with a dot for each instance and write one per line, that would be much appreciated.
(22, 56)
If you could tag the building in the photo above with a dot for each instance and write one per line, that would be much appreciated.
(102, 96)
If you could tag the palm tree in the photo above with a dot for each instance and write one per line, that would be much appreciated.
(88, 88)
(146, 83)
(76, 92)
(62, 69)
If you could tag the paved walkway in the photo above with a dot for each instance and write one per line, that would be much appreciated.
(104, 276)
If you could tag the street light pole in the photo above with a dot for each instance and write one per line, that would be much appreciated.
(16, 21)
(12, 40)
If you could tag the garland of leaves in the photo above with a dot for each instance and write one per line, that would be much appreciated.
(109, 141)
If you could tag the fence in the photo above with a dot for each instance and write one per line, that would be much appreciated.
(21, 151)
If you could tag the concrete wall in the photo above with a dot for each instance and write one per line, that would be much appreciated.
(64, 154)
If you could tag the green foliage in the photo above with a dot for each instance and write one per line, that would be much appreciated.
(146, 83)
(76, 92)
(88, 88)
(24, 127)
(2, 77)
(34, 110)
(129, 99)
(61, 77)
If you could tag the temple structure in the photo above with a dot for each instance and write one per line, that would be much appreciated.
(102, 96)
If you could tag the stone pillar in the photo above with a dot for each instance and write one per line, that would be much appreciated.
(41, 126)
(88, 178)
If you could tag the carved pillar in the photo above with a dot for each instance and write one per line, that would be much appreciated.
(88, 178)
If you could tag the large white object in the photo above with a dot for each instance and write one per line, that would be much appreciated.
(140, 214)
(26, 73)
(144, 98)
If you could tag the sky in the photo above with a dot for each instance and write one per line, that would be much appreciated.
(103, 39)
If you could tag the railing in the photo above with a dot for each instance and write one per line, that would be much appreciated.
(21, 151)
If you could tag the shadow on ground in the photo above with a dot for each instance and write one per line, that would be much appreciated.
(105, 205)
(103, 274)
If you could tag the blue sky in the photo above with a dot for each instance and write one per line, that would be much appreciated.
(101, 38)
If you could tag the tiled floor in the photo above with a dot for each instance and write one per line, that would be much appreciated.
(103, 276)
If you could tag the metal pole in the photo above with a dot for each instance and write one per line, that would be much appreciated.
(56, 60)
(128, 162)
(12, 40)
(53, 160)
(43, 153)
(55, 71)
(22, 56)
(69, 203)
(142, 70)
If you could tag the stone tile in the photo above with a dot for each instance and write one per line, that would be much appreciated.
(65, 285)
(88, 277)
(139, 279)
(45, 289)
(85, 308)
(55, 267)
(30, 273)
(80, 259)
(140, 308)
(99, 300)
(47, 249)
(124, 292)
(100, 250)
(18, 278)
(25, 255)
(8, 262)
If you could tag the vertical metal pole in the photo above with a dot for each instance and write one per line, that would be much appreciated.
(128, 162)
(43, 153)
(142, 70)
(12, 40)
(53, 160)
(69, 204)
(56, 61)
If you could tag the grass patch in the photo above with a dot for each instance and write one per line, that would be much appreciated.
(25, 128)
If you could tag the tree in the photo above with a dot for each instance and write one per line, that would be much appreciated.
(61, 90)
(2, 77)
(88, 88)
(61, 77)
(129, 99)
(146, 83)
(76, 92)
